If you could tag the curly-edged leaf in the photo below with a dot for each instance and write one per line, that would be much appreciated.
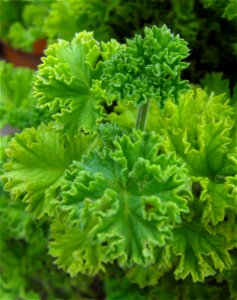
(218, 197)
(17, 105)
(200, 129)
(66, 83)
(147, 68)
(38, 159)
(121, 205)
(202, 253)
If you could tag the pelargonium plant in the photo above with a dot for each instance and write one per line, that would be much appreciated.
(135, 173)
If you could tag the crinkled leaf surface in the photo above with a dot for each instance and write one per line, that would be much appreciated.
(218, 197)
(202, 131)
(201, 252)
(65, 83)
(37, 161)
(120, 205)
(147, 68)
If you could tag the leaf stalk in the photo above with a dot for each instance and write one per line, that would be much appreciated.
(142, 116)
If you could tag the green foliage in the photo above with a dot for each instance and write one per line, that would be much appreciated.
(141, 194)
(119, 19)
(17, 105)
(38, 159)
(147, 68)
(10, 13)
(22, 22)
(67, 84)
(143, 210)
(28, 271)
(201, 253)
(228, 8)
(215, 83)
(78, 15)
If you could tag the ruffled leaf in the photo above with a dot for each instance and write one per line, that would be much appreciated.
(147, 68)
(202, 253)
(218, 197)
(121, 205)
(66, 84)
(38, 159)
(200, 129)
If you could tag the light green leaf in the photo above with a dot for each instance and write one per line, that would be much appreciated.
(218, 197)
(202, 253)
(38, 159)
(200, 130)
(66, 84)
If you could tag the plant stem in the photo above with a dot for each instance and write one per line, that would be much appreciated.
(142, 115)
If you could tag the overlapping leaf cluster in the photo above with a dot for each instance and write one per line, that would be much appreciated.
(146, 205)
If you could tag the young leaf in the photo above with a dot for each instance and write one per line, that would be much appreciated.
(201, 252)
(147, 68)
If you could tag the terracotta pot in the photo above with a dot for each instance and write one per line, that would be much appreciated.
(24, 59)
